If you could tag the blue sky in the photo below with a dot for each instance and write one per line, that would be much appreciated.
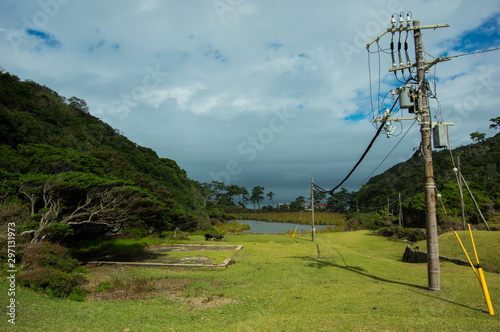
(255, 92)
(485, 36)
(45, 38)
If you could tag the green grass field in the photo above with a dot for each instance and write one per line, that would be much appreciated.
(487, 247)
(305, 217)
(350, 281)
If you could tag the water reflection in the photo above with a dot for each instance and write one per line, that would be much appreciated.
(264, 227)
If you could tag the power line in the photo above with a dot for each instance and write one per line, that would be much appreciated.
(386, 156)
(476, 52)
(360, 159)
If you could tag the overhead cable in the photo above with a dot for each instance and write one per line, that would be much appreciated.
(477, 52)
(385, 157)
(318, 188)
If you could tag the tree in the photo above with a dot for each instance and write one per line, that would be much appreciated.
(298, 204)
(243, 192)
(478, 137)
(213, 189)
(257, 195)
(496, 123)
(270, 195)
(340, 201)
(319, 196)
(79, 104)
(232, 190)
(82, 203)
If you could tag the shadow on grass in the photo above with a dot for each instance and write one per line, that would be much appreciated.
(455, 303)
(117, 252)
(320, 263)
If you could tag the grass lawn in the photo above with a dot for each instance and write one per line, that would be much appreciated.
(487, 247)
(351, 281)
(320, 217)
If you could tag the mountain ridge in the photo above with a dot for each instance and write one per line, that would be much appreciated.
(58, 163)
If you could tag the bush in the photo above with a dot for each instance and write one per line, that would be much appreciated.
(213, 236)
(232, 227)
(416, 234)
(184, 236)
(45, 254)
(357, 220)
(49, 268)
(54, 283)
(398, 232)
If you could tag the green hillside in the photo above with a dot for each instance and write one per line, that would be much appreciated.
(65, 172)
(479, 166)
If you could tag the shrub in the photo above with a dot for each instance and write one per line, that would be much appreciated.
(49, 268)
(182, 235)
(232, 227)
(54, 283)
(356, 220)
(45, 254)
(416, 234)
(398, 232)
(213, 236)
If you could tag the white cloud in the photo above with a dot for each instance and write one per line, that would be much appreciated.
(222, 75)
(204, 105)
(181, 94)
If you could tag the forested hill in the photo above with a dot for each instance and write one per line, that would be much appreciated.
(480, 166)
(63, 171)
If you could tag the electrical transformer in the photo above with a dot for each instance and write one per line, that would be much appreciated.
(440, 136)
(405, 97)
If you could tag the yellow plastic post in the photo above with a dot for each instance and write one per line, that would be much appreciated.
(473, 245)
(295, 231)
(485, 291)
(482, 280)
(468, 258)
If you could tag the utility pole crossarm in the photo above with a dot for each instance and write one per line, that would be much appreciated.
(407, 28)
(428, 63)
(432, 63)
(418, 118)
(378, 37)
(397, 119)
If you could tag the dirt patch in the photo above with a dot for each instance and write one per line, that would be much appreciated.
(205, 302)
(103, 285)
(191, 247)
(132, 290)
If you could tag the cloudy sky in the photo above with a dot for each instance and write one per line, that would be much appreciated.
(256, 92)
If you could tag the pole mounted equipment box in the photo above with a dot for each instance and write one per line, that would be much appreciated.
(406, 97)
(440, 136)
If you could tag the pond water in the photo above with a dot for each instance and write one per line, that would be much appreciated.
(264, 227)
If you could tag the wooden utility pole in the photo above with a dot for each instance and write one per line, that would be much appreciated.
(388, 209)
(400, 211)
(433, 272)
(312, 209)
(421, 110)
